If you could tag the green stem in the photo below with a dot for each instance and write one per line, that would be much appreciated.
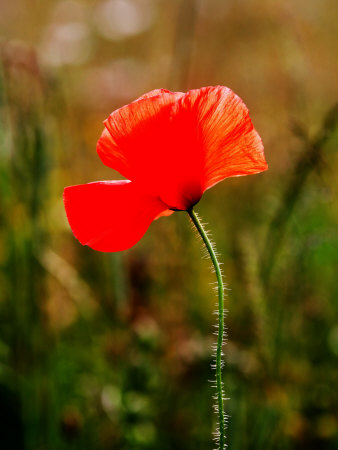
(220, 336)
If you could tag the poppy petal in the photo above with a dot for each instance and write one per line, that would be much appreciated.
(149, 141)
(178, 145)
(226, 137)
(110, 216)
(110, 154)
(132, 139)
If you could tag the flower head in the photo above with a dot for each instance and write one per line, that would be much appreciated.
(171, 147)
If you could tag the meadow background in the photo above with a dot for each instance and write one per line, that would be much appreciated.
(112, 351)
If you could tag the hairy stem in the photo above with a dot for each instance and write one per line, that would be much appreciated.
(220, 336)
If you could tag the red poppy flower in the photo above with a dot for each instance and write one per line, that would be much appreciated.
(172, 147)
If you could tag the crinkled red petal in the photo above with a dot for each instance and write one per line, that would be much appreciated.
(135, 133)
(227, 140)
(148, 143)
(182, 144)
(110, 216)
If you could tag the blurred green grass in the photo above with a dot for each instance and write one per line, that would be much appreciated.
(102, 351)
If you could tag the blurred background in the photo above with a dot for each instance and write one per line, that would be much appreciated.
(113, 351)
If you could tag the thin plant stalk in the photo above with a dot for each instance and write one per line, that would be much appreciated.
(220, 335)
